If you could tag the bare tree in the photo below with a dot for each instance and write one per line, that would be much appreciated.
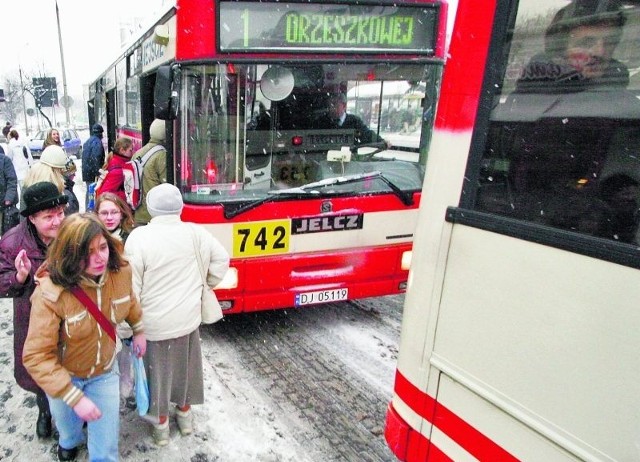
(14, 89)
(13, 100)
(37, 95)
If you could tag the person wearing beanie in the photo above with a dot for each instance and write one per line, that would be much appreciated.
(171, 305)
(54, 156)
(54, 166)
(155, 170)
(50, 168)
(92, 159)
(22, 250)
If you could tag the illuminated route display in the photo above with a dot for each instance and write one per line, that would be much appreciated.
(325, 27)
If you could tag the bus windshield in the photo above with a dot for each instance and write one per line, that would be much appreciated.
(251, 130)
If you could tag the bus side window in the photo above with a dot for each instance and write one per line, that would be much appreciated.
(565, 122)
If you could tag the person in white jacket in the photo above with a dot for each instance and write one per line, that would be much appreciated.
(168, 282)
(20, 155)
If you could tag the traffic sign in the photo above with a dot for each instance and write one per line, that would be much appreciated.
(66, 101)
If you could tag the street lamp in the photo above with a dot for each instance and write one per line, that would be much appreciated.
(66, 100)
(24, 104)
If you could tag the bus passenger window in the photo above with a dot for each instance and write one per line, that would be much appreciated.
(564, 138)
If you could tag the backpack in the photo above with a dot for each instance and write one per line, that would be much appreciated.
(132, 171)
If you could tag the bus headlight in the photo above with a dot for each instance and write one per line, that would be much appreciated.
(405, 262)
(230, 279)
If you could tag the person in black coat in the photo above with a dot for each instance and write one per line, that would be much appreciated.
(92, 157)
(8, 185)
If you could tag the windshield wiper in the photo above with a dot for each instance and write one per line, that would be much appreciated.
(311, 189)
(273, 195)
(404, 196)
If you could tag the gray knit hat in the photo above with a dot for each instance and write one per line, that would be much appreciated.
(164, 199)
(157, 130)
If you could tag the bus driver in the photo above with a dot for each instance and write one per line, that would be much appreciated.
(339, 118)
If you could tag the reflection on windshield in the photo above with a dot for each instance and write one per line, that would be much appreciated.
(251, 129)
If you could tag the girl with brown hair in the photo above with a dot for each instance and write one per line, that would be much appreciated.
(114, 179)
(83, 290)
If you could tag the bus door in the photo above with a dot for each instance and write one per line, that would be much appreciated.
(111, 117)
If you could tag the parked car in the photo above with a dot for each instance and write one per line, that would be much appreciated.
(71, 142)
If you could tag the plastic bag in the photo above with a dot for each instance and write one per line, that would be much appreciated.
(142, 387)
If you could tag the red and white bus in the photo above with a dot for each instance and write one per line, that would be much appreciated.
(520, 335)
(311, 212)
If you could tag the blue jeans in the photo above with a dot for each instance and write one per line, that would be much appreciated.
(104, 391)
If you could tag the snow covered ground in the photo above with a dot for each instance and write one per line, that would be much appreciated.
(246, 416)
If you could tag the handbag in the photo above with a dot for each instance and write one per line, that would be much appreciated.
(10, 217)
(141, 385)
(210, 308)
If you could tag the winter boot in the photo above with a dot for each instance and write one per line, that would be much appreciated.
(43, 424)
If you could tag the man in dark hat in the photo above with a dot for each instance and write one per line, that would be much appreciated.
(579, 46)
(22, 250)
(92, 158)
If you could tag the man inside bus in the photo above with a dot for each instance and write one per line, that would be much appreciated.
(565, 101)
(579, 46)
(338, 117)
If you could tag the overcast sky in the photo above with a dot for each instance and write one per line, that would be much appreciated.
(90, 37)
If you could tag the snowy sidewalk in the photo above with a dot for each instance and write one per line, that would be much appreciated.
(234, 424)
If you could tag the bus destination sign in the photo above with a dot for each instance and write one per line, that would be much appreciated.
(250, 26)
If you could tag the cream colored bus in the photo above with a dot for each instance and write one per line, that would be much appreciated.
(521, 324)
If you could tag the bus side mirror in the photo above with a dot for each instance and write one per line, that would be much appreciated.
(165, 96)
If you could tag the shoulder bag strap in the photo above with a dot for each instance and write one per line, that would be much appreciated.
(151, 152)
(82, 296)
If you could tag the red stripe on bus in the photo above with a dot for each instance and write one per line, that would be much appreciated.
(464, 434)
(421, 403)
(194, 31)
(466, 63)
(407, 444)
(436, 455)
